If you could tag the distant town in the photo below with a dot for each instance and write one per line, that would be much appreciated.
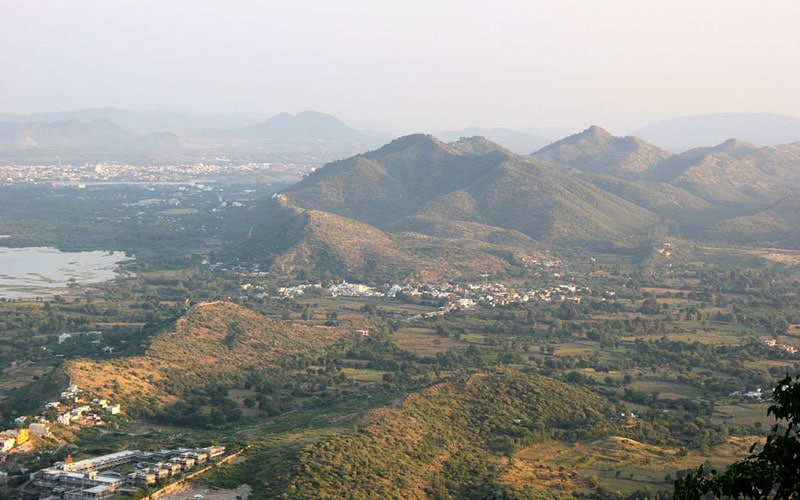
(124, 173)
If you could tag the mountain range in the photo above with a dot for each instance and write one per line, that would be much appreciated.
(110, 134)
(420, 206)
(513, 140)
(689, 132)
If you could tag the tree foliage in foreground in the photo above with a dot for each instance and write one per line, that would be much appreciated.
(774, 472)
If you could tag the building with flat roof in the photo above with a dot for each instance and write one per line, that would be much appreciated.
(90, 479)
(93, 493)
(103, 462)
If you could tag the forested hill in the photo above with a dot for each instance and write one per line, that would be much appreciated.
(212, 343)
(418, 205)
(462, 208)
(454, 440)
(596, 151)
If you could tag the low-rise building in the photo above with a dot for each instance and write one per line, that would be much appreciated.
(39, 429)
(85, 479)
(93, 493)
(113, 409)
(6, 443)
(142, 478)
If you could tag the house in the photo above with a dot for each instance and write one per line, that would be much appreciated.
(213, 451)
(21, 435)
(70, 393)
(6, 443)
(39, 429)
(113, 409)
(80, 410)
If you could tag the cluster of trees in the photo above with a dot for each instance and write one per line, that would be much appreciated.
(773, 472)
(466, 427)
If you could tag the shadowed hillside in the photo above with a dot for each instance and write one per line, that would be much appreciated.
(418, 206)
(778, 225)
(734, 172)
(418, 177)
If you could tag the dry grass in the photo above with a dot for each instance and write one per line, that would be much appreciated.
(616, 463)
(424, 341)
(216, 339)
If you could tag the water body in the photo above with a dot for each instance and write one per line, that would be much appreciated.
(42, 271)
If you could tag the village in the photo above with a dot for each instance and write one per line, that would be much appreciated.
(449, 296)
(71, 408)
(123, 472)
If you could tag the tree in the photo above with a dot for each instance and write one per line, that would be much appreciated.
(650, 306)
(774, 472)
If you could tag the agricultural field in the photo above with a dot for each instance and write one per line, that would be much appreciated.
(677, 353)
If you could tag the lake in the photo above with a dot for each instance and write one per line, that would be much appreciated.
(42, 271)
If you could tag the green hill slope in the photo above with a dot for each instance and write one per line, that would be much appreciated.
(596, 151)
(661, 198)
(418, 178)
(388, 184)
(778, 225)
(452, 441)
(418, 206)
(735, 172)
(321, 245)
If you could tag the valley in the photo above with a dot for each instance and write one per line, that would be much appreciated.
(425, 320)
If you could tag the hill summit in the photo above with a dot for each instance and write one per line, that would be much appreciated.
(596, 151)
(435, 206)
(420, 206)
(211, 342)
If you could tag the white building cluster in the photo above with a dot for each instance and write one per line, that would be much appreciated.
(108, 475)
(462, 295)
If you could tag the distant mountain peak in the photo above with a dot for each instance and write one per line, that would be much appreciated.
(690, 132)
(596, 131)
(595, 150)
(512, 140)
(476, 145)
(735, 145)
(593, 135)
(409, 141)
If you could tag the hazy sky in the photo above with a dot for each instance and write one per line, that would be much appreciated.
(406, 65)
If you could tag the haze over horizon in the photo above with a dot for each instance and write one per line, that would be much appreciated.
(418, 66)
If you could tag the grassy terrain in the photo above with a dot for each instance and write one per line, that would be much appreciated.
(302, 389)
